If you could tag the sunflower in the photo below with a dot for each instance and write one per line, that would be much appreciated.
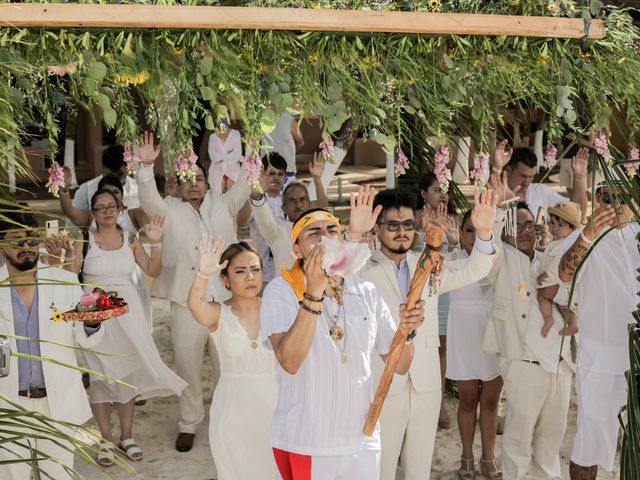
(57, 316)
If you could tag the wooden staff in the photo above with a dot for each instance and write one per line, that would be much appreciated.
(429, 259)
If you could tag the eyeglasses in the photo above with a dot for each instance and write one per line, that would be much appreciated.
(394, 226)
(526, 227)
(112, 207)
(608, 197)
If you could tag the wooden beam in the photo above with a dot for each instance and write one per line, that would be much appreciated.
(58, 15)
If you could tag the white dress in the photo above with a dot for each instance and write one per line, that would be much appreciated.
(468, 315)
(243, 404)
(134, 358)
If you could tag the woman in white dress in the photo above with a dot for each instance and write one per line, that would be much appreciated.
(133, 356)
(245, 397)
(475, 371)
(225, 153)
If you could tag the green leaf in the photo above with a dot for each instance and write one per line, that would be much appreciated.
(208, 123)
(273, 89)
(445, 81)
(447, 61)
(334, 92)
(268, 120)
(206, 65)
(109, 117)
(103, 101)
(476, 112)
(207, 93)
(97, 70)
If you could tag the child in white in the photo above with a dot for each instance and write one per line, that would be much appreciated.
(565, 218)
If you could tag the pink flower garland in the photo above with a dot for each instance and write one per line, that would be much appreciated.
(550, 157)
(253, 168)
(56, 179)
(632, 168)
(601, 144)
(131, 160)
(402, 163)
(443, 174)
(186, 167)
(326, 150)
(480, 173)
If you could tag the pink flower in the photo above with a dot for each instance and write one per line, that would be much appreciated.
(89, 299)
(402, 163)
(550, 156)
(326, 150)
(480, 173)
(601, 144)
(56, 179)
(344, 258)
(442, 172)
(253, 169)
(62, 71)
(185, 168)
(632, 168)
(131, 160)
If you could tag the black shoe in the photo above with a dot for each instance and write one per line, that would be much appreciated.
(184, 442)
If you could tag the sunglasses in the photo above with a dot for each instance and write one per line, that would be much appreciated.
(608, 197)
(393, 226)
(29, 241)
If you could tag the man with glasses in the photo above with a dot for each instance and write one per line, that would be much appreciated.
(536, 385)
(28, 300)
(605, 293)
(409, 418)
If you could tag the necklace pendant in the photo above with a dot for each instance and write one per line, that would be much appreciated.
(336, 332)
(254, 344)
(343, 358)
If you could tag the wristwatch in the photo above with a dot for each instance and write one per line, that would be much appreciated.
(411, 336)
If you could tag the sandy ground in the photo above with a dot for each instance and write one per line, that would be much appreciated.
(155, 429)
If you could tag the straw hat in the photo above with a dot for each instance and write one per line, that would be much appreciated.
(569, 212)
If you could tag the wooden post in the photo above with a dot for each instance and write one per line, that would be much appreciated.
(58, 15)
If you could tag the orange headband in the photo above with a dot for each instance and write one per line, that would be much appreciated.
(309, 219)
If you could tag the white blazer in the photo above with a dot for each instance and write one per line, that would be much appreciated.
(182, 232)
(425, 367)
(67, 398)
(277, 233)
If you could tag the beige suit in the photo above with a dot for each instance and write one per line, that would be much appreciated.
(184, 228)
(536, 386)
(66, 399)
(409, 418)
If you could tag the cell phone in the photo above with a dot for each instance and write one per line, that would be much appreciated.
(5, 356)
(51, 228)
(541, 216)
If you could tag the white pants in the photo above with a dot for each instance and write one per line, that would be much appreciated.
(600, 397)
(536, 420)
(364, 465)
(189, 340)
(408, 427)
(22, 471)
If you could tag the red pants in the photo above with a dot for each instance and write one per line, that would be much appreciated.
(293, 466)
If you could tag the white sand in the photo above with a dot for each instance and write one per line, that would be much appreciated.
(155, 430)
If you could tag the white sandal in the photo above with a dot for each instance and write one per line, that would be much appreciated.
(131, 449)
(105, 454)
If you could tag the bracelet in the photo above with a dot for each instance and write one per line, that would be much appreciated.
(497, 170)
(411, 336)
(253, 200)
(312, 298)
(202, 275)
(585, 239)
(348, 238)
(159, 244)
(64, 191)
(309, 309)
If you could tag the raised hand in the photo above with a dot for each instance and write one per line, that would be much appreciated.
(498, 183)
(148, 153)
(210, 256)
(453, 231)
(502, 155)
(316, 166)
(437, 215)
(154, 229)
(67, 177)
(579, 163)
(602, 217)
(483, 215)
(363, 216)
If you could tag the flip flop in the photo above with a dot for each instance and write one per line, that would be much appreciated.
(131, 449)
(105, 454)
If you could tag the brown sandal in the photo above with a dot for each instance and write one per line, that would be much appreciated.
(490, 469)
(467, 469)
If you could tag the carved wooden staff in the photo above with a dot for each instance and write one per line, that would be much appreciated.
(429, 260)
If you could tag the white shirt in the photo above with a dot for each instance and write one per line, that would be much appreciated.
(82, 198)
(281, 140)
(606, 295)
(268, 263)
(323, 408)
(226, 158)
(539, 195)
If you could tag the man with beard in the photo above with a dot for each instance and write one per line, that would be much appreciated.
(409, 418)
(276, 230)
(35, 292)
(605, 293)
(199, 213)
